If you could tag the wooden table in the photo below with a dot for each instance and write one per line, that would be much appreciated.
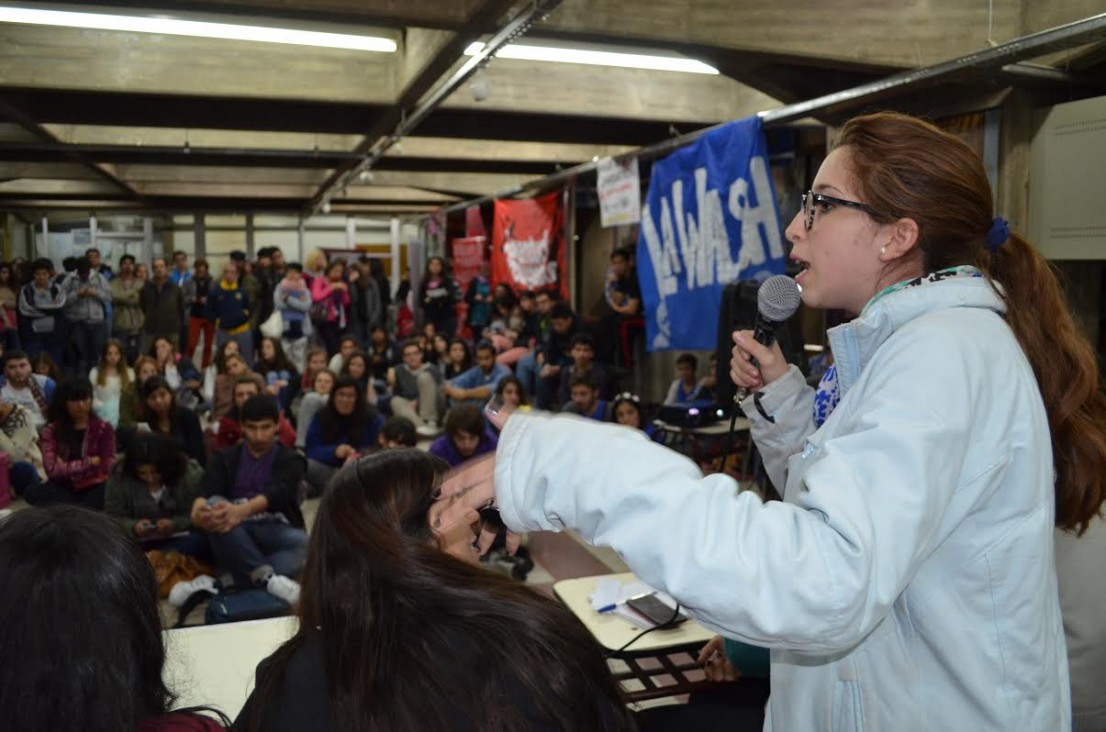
(214, 665)
(662, 662)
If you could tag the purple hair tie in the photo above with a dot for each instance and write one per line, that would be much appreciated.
(997, 234)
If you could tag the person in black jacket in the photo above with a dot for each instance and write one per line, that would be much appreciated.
(161, 414)
(249, 505)
(397, 630)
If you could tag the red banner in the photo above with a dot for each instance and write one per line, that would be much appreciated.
(468, 257)
(528, 250)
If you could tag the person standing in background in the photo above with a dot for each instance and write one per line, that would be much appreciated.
(126, 298)
(86, 297)
(249, 283)
(365, 307)
(181, 275)
(40, 304)
(230, 306)
(196, 292)
(162, 303)
(293, 300)
(9, 299)
(330, 295)
(438, 297)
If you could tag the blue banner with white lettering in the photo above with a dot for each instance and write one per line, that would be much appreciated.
(710, 219)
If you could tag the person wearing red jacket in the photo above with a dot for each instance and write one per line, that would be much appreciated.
(227, 432)
(78, 449)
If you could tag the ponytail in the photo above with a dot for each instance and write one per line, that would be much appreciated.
(1067, 375)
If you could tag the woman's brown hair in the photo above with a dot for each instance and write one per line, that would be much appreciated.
(415, 639)
(122, 368)
(908, 168)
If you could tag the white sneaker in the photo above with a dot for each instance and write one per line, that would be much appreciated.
(430, 429)
(183, 590)
(285, 588)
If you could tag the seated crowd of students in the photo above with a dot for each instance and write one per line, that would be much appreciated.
(213, 457)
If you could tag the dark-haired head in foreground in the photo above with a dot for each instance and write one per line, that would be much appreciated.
(81, 644)
(411, 634)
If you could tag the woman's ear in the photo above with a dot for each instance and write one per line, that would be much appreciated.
(902, 239)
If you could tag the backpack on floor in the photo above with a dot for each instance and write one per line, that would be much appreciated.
(234, 606)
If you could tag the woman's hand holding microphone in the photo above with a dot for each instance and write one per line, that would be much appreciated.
(748, 354)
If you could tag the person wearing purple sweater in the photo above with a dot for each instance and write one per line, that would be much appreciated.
(466, 436)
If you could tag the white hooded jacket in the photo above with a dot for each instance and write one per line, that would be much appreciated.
(907, 581)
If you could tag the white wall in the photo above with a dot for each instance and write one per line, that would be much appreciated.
(1067, 181)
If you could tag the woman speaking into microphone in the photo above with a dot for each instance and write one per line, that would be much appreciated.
(907, 580)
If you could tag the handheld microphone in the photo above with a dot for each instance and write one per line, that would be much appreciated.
(777, 300)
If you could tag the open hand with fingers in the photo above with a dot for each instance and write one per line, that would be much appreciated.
(469, 489)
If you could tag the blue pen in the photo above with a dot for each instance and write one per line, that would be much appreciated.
(613, 606)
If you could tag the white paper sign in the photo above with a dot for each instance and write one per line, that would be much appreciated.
(619, 192)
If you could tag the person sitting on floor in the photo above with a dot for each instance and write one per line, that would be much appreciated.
(687, 390)
(314, 399)
(161, 414)
(344, 427)
(414, 388)
(109, 378)
(509, 393)
(397, 433)
(227, 432)
(477, 385)
(585, 399)
(626, 410)
(458, 360)
(357, 368)
(347, 346)
(150, 494)
(234, 367)
(19, 441)
(78, 449)
(374, 532)
(282, 380)
(466, 436)
(382, 355)
(30, 391)
(583, 362)
(130, 399)
(81, 644)
(180, 373)
(249, 506)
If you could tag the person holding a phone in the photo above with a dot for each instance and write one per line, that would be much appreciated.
(908, 579)
(151, 494)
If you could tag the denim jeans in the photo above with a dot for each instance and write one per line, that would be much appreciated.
(526, 369)
(254, 549)
(45, 494)
(88, 342)
(23, 476)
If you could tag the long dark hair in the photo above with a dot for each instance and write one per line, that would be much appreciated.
(279, 362)
(158, 450)
(69, 390)
(338, 427)
(81, 645)
(908, 168)
(378, 591)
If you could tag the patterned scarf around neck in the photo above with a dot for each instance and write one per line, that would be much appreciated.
(828, 394)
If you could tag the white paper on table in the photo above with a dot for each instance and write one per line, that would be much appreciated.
(609, 591)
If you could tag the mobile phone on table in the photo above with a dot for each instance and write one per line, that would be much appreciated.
(653, 609)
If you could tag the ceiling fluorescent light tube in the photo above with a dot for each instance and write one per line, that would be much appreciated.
(194, 28)
(527, 52)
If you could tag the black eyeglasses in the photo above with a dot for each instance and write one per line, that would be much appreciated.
(811, 200)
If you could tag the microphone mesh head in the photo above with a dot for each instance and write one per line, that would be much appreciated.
(778, 298)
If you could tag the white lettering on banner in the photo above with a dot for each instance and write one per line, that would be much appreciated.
(703, 247)
(528, 260)
(696, 244)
